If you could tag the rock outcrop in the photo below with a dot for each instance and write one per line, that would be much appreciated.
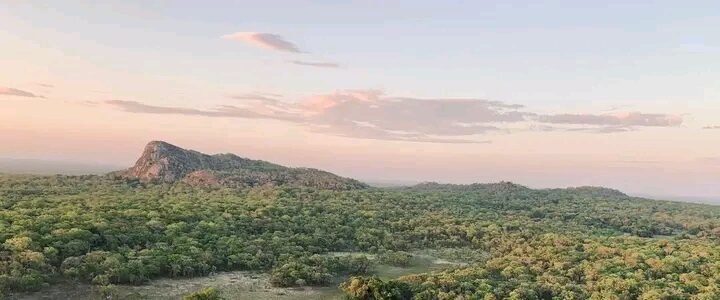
(164, 162)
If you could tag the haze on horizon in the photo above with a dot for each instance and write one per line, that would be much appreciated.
(562, 93)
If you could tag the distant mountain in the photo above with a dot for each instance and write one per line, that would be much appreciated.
(596, 191)
(689, 199)
(509, 187)
(164, 162)
(51, 167)
(503, 186)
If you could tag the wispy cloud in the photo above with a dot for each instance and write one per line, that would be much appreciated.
(315, 64)
(138, 107)
(367, 131)
(617, 119)
(19, 93)
(601, 129)
(262, 111)
(256, 96)
(263, 40)
(370, 114)
(712, 127)
(601, 123)
(45, 85)
(363, 114)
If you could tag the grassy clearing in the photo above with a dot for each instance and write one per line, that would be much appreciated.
(240, 285)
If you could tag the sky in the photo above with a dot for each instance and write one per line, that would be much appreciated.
(623, 94)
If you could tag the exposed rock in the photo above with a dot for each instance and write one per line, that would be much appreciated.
(163, 162)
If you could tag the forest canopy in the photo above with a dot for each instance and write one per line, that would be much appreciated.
(523, 243)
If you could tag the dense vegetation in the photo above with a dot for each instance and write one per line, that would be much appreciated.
(521, 243)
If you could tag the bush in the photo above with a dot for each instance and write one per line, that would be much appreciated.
(297, 274)
(372, 288)
(397, 259)
(208, 293)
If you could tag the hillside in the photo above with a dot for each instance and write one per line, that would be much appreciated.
(164, 162)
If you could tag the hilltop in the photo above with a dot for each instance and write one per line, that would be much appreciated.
(163, 162)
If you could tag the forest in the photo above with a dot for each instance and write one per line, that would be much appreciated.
(520, 243)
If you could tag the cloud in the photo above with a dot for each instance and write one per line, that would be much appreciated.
(45, 85)
(138, 107)
(315, 64)
(359, 130)
(262, 111)
(363, 114)
(358, 110)
(601, 129)
(606, 123)
(19, 93)
(614, 122)
(712, 127)
(263, 40)
(258, 96)
(371, 114)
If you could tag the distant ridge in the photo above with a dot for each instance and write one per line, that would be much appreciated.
(30, 166)
(164, 162)
(506, 186)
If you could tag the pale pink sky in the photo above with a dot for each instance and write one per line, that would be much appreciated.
(623, 103)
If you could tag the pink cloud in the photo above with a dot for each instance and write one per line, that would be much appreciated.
(370, 114)
(319, 103)
(263, 40)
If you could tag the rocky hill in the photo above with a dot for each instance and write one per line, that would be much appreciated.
(164, 162)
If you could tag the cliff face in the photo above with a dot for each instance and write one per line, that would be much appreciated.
(163, 162)
(157, 163)
(167, 163)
